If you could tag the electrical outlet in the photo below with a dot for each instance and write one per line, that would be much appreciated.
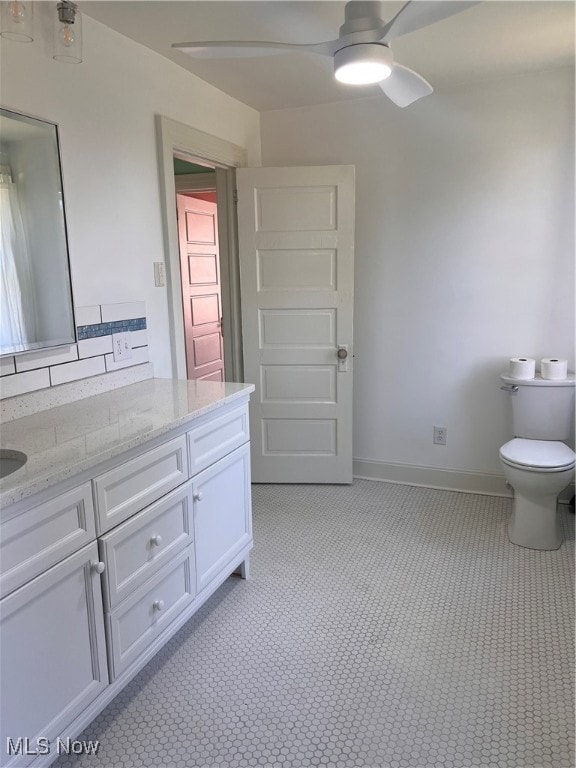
(440, 435)
(121, 346)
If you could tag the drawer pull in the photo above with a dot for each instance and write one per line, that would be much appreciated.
(158, 605)
(155, 541)
(98, 567)
(198, 496)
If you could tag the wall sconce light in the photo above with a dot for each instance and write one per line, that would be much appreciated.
(16, 21)
(68, 33)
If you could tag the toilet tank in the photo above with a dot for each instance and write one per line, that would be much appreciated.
(542, 409)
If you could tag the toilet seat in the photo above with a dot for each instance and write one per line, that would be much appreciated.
(538, 455)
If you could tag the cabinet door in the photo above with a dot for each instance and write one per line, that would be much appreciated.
(52, 654)
(222, 514)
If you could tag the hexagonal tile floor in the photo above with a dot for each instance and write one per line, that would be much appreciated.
(383, 625)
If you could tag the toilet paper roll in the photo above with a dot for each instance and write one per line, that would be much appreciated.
(522, 368)
(553, 368)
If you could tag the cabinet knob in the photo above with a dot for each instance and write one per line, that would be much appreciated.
(158, 605)
(98, 567)
(198, 496)
(156, 540)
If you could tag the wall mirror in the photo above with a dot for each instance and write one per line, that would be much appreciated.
(35, 287)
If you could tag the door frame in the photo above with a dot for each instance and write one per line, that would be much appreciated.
(175, 138)
(195, 182)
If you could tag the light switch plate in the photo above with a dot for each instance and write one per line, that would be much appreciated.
(159, 274)
(121, 346)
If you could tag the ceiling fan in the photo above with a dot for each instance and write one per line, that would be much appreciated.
(361, 53)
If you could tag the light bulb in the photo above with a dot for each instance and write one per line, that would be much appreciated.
(363, 72)
(16, 20)
(17, 11)
(67, 35)
(363, 63)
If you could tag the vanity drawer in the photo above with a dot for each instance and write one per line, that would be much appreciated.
(216, 438)
(37, 539)
(138, 548)
(130, 487)
(139, 619)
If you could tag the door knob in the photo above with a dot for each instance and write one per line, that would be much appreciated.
(342, 355)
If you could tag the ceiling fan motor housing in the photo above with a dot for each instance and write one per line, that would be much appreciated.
(361, 16)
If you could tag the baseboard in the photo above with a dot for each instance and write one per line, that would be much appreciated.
(432, 477)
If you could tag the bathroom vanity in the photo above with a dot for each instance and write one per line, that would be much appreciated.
(132, 508)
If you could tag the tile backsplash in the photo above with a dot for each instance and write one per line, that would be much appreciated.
(91, 356)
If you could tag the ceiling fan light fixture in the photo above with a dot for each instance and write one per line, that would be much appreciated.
(363, 64)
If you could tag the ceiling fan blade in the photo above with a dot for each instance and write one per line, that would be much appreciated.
(231, 49)
(404, 86)
(416, 15)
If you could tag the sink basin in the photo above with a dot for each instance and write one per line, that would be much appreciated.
(10, 461)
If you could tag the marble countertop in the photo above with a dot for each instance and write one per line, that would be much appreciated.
(62, 442)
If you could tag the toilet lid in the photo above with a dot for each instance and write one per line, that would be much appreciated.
(546, 454)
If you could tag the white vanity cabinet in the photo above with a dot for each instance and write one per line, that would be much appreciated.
(52, 655)
(163, 558)
(95, 580)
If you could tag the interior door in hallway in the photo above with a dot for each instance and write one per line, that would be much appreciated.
(296, 242)
(201, 299)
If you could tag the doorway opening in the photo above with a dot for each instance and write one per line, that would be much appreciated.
(184, 143)
(198, 242)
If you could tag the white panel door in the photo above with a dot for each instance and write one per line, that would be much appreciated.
(296, 237)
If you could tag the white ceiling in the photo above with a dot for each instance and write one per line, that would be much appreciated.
(493, 39)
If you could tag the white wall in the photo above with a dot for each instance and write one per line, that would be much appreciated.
(105, 110)
(464, 254)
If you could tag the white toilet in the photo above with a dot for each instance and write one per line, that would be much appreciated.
(537, 462)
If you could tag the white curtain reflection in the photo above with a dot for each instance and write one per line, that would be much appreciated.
(17, 309)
